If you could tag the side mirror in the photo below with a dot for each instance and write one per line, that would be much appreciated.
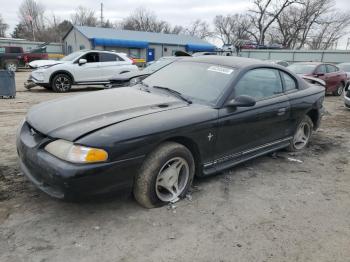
(82, 61)
(319, 74)
(242, 101)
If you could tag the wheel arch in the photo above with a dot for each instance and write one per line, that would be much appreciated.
(314, 114)
(61, 72)
(191, 145)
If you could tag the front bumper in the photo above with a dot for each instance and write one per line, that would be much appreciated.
(347, 99)
(32, 81)
(64, 180)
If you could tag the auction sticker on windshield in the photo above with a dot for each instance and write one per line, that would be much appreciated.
(220, 69)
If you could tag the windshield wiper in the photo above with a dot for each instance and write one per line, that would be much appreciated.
(174, 92)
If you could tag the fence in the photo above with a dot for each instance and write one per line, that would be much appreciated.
(328, 56)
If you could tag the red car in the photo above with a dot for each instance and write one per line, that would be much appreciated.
(335, 78)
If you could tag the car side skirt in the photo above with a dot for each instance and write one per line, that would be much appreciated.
(232, 160)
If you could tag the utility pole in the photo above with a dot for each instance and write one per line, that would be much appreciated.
(101, 14)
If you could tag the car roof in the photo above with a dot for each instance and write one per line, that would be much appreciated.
(101, 51)
(230, 61)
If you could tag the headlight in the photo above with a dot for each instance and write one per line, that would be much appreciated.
(76, 153)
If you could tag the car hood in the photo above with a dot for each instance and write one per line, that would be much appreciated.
(127, 76)
(73, 117)
(41, 63)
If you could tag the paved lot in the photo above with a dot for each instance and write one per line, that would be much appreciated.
(269, 209)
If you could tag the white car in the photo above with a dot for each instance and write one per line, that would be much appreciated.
(88, 67)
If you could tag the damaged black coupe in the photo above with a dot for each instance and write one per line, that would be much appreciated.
(195, 117)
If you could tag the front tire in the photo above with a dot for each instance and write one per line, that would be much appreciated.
(340, 90)
(61, 83)
(302, 135)
(165, 175)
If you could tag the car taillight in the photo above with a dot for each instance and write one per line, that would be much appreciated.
(133, 61)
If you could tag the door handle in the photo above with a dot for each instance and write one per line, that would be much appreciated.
(281, 111)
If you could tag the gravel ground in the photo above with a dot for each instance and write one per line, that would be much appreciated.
(269, 209)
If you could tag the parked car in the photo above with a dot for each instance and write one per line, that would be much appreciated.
(35, 55)
(196, 116)
(335, 78)
(347, 99)
(88, 67)
(346, 68)
(13, 57)
(10, 57)
(134, 77)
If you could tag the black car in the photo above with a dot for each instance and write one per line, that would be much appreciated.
(197, 116)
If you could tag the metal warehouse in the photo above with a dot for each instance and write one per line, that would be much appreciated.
(144, 45)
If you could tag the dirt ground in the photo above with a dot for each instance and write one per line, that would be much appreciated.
(269, 209)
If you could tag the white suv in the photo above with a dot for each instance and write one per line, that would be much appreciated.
(88, 67)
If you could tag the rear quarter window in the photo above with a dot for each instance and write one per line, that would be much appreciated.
(289, 82)
(331, 68)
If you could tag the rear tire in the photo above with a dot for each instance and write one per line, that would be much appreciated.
(61, 83)
(302, 135)
(165, 175)
(11, 66)
(340, 90)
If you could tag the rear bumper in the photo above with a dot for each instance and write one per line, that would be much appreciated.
(64, 180)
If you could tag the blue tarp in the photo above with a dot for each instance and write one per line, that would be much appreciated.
(119, 43)
(200, 48)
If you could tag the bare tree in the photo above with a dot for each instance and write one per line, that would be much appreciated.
(264, 13)
(3, 27)
(144, 20)
(329, 30)
(199, 29)
(313, 24)
(231, 28)
(31, 15)
(311, 13)
(84, 17)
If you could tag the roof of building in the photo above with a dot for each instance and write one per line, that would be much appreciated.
(128, 38)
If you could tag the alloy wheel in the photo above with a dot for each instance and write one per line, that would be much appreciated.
(172, 179)
(62, 83)
(302, 135)
(340, 90)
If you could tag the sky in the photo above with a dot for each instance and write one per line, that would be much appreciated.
(179, 12)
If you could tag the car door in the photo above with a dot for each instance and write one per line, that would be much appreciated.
(111, 65)
(321, 72)
(248, 128)
(334, 77)
(90, 71)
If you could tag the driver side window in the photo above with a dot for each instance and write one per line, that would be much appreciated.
(321, 69)
(260, 84)
(92, 57)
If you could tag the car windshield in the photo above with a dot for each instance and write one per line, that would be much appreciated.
(302, 68)
(344, 67)
(157, 65)
(71, 56)
(197, 81)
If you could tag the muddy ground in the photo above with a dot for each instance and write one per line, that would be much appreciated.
(269, 209)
